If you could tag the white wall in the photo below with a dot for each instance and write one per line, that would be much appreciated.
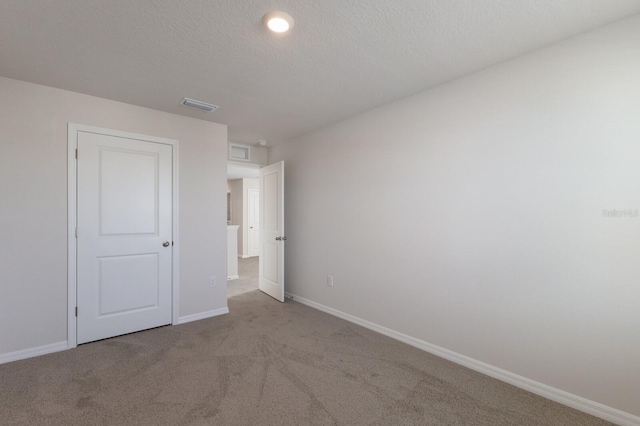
(33, 205)
(470, 216)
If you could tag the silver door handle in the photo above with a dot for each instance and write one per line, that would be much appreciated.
(165, 244)
(281, 238)
(278, 238)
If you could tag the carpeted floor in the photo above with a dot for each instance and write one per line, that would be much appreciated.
(265, 363)
(248, 281)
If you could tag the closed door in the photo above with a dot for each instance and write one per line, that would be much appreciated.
(253, 221)
(124, 217)
(272, 238)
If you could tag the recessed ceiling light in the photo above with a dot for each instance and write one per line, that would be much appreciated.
(278, 22)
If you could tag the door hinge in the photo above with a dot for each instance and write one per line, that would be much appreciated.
(76, 232)
(76, 311)
(76, 153)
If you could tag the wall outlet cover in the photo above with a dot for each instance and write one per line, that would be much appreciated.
(330, 280)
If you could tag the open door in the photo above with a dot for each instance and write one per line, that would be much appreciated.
(271, 262)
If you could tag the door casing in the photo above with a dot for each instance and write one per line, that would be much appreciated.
(72, 144)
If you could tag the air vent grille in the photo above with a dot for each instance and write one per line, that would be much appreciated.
(203, 106)
(239, 152)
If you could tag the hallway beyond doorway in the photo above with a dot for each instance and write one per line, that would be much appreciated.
(248, 281)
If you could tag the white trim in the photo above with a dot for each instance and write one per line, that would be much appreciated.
(72, 145)
(31, 352)
(242, 256)
(574, 401)
(175, 266)
(202, 315)
(233, 277)
(246, 165)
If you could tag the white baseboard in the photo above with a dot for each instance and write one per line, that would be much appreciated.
(202, 315)
(31, 352)
(61, 346)
(574, 401)
(233, 277)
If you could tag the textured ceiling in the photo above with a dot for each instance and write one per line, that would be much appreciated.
(341, 58)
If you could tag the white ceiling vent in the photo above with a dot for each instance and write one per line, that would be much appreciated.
(239, 152)
(192, 103)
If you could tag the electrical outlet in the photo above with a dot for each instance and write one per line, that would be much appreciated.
(330, 280)
(213, 282)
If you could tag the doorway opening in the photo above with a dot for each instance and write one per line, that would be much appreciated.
(247, 277)
(243, 221)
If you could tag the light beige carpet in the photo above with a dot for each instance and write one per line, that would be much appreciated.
(265, 363)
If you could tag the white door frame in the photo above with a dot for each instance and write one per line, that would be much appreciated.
(72, 249)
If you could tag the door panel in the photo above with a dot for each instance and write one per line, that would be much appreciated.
(115, 273)
(271, 262)
(124, 217)
(270, 255)
(128, 197)
(270, 205)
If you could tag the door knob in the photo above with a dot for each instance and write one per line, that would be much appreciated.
(284, 238)
(278, 238)
(165, 244)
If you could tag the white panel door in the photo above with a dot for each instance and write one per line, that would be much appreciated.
(253, 222)
(124, 235)
(271, 262)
